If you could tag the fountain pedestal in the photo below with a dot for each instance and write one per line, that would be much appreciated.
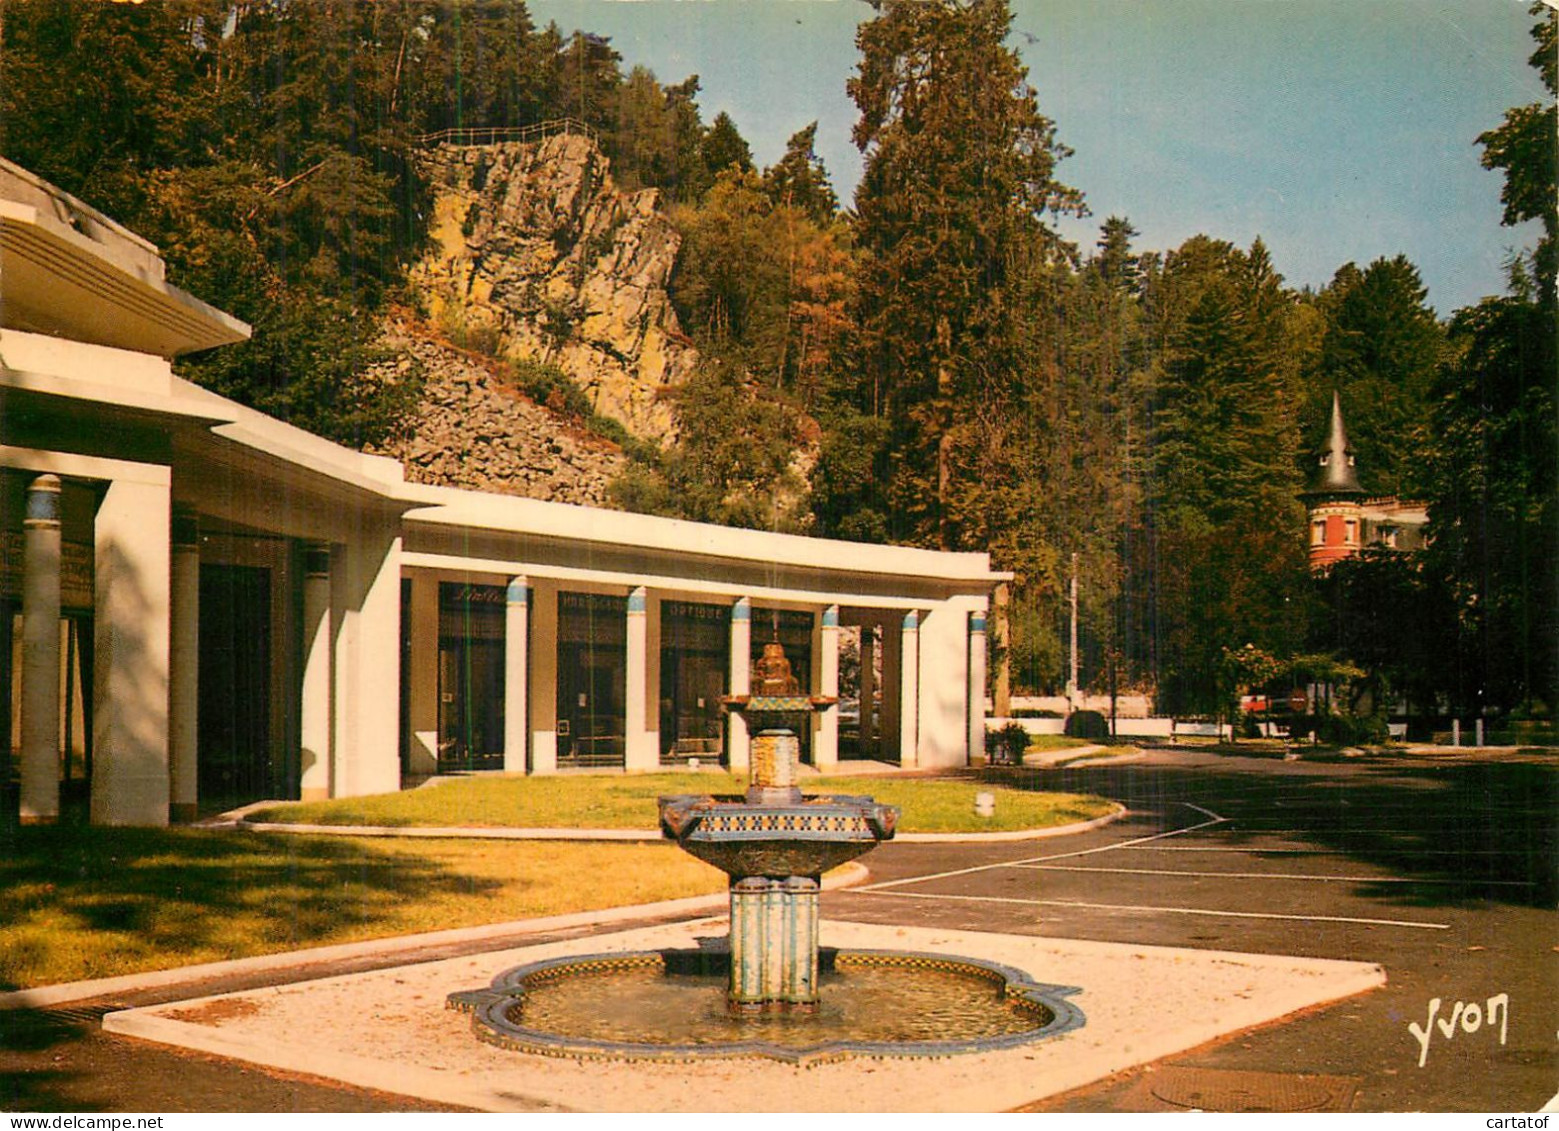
(775, 845)
(773, 944)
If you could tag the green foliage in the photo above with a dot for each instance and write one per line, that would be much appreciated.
(723, 148)
(1087, 724)
(1380, 349)
(1347, 729)
(1494, 510)
(1008, 743)
(732, 461)
(1394, 620)
(959, 171)
(844, 497)
(548, 385)
(799, 180)
(1223, 523)
(1494, 515)
(1526, 148)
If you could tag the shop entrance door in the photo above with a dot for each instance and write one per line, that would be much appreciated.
(592, 711)
(470, 677)
(234, 712)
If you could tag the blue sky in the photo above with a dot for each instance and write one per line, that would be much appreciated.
(1336, 130)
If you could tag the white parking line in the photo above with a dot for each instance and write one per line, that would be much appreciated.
(1246, 851)
(1272, 876)
(1215, 819)
(1140, 910)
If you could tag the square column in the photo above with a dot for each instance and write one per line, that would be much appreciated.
(909, 691)
(184, 678)
(740, 753)
(946, 709)
(516, 674)
(422, 679)
(891, 688)
(639, 743)
(867, 736)
(314, 715)
(977, 671)
(825, 738)
(40, 714)
(544, 677)
(131, 627)
(366, 597)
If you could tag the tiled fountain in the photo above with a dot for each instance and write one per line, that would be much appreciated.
(769, 989)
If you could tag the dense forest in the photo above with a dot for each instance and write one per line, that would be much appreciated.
(958, 375)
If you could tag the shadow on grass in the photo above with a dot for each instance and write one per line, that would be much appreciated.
(1467, 832)
(197, 895)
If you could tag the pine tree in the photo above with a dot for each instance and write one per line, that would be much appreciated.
(959, 174)
(1494, 501)
(1380, 349)
(798, 179)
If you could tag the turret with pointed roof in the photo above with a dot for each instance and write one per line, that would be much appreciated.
(1343, 520)
(1334, 474)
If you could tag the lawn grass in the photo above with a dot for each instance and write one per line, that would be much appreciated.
(93, 902)
(627, 801)
(1057, 742)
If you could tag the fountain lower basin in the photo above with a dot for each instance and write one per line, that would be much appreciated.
(670, 1005)
(771, 990)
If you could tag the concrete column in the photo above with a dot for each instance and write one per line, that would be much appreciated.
(639, 748)
(652, 645)
(366, 597)
(314, 716)
(868, 735)
(739, 755)
(133, 567)
(909, 692)
(977, 670)
(1000, 642)
(891, 690)
(40, 707)
(184, 676)
(825, 741)
(422, 684)
(544, 679)
(516, 675)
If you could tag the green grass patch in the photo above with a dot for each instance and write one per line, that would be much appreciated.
(1057, 742)
(627, 801)
(80, 902)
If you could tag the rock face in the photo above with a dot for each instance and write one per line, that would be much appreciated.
(473, 431)
(537, 254)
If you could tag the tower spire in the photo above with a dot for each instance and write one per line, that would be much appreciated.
(1335, 473)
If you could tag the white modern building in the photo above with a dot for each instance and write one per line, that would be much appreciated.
(205, 605)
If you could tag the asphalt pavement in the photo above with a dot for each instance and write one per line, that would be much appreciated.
(1443, 869)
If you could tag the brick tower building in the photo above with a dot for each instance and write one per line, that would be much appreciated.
(1344, 518)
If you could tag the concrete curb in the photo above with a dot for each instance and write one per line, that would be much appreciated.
(43, 997)
(643, 835)
(457, 832)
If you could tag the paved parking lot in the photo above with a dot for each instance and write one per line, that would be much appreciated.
(1443, 871)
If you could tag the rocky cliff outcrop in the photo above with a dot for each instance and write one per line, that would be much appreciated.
(472, 430)
(538, 254)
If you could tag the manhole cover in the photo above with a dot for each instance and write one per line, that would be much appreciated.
(1212, 1089)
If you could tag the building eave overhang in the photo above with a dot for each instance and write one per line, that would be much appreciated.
(452, 508)
(55, 280)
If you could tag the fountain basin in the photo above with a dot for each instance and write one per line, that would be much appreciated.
(670, 1005)
(802, 836)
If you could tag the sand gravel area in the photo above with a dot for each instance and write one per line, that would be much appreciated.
(390, 1030)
